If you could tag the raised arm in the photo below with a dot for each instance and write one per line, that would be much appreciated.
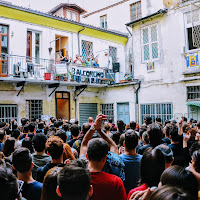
(113, 146)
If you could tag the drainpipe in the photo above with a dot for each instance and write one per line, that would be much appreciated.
(136, 103)
(132, 62)
(79, 40)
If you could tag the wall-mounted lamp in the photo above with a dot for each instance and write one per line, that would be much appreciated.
(12, 34)
(50, 48)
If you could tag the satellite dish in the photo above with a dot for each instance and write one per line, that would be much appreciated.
(170, 4)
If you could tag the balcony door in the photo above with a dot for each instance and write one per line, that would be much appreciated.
(3, 50)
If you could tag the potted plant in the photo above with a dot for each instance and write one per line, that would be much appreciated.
(128, 77)
(71, 76)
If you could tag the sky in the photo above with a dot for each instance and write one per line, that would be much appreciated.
(46, 5)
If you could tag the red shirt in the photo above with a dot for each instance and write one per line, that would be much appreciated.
(107, 187)
(140, 188)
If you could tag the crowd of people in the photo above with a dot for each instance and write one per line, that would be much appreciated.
(100, 160)
(90, 61)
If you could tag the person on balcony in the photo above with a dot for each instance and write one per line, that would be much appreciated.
(88, 62)
(62, 58)
(95, 63)
(78, 60)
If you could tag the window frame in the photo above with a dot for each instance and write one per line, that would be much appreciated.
(106, 111)
(138, 16)
(87, 48)
(8, 119)
(29, 111)
(192, 92)
(150, 42)
(104, 17)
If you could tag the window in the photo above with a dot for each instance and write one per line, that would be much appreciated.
(193, 93)
(150, 43)
(103, 21)
(33, 45)
(162, 110)
(135, 11)
(71, 15)
(108, 109)
(87, 49)
(113, 53)
(34, 109)
(192, 29)
(8, 112)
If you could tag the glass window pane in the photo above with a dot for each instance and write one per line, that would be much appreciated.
(145, 36)
(146, 52)
(4, 44)
(3, 29)
(154, 34)
(155, 50)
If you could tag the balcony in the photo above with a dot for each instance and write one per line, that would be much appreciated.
(15, 68)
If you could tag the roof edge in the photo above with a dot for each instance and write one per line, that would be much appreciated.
(160, 12)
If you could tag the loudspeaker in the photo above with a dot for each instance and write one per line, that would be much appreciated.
(116, 67)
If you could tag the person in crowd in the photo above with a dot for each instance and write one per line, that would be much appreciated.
(166, 139)
(74, 181)
(16, 135)
(8, 184)
(32, 128)
(85, 128)
(22, 163)
(121, 144)
(40, 128)
(65, 127)
(78, 60)
(40, 158)
(24, 132)
(177, 176)
(147, 121)
(27, 143)
(52, 120)
(91, 120)
(50, 185)
(110, 121)
(74, 134)
(155, 133)
(158, 120)
(120, 130)
(151, 168)
(54, 147)
(2, 138)
(8, 149)
(107, 128)
(131, 160)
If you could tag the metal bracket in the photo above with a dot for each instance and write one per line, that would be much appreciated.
(55, 86)
(20, 84)
(79, 88)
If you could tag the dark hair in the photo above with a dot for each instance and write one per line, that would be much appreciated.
(141, 131)
(27, 143)
(158, 119)
(50, 184)
(148, 120)
(56, 124)
(8, 184)
(184, 119)
(121, 140)
(74, 181)
(62, 134)
(116, 137)
(131, 139)
(133, 125)
(52, 119)
(193, 133)
(177, 176)
(155, 134)
(39, 141)
(2, 124)
(107, 126)
(173, 133)
(120, 125)
(15, 133)
(25, 129)
(76, 122)
(65, 127)
(167, 128)
(166, 122)
(196, 159)
(23, 121)
(97, 149)
(186, 127)
(41, 125)
(167, 152)
(54, 146)
(86, 127)
(2, 134)
(110, 120)
(198, 124)
(46, 129)
(170, 193)
(9, 147)
(152, 166)
(74, 130)
(22, 159)
(31, 126)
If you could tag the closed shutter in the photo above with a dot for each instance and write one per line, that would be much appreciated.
(87, 110)
(123, 112)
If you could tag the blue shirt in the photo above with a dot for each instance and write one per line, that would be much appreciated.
(32, 191)
(132, 170)
(1, 146)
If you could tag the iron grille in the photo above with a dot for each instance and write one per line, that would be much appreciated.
(193, 93)
(8, 112)
(135, 10)
(34, 109)
(108, 109)
(113, 53)
(163, 111)
(87, 49)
